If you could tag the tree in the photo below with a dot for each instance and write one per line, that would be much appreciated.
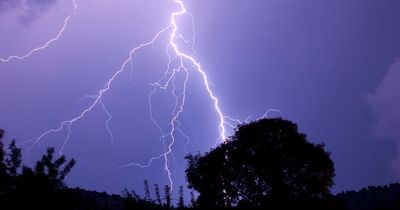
(13, 161)
(3, 168)
(49, 173)
(167, 194)
(181, 202)
(147, 196)
(43, 187)
(13, 164)
(207, 174)
(266, 163)
(158, 196)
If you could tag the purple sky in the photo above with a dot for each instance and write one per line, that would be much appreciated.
(331, 66)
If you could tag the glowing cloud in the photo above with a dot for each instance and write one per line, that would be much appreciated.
(48, 43)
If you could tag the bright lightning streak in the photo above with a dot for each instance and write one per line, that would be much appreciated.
(49, 42)
(266, 114)
(186, 64)
(162, 84)
(175, 123)
(109, 116)
(178, 128)
(232, 122)
(198, 68)
(101, 92)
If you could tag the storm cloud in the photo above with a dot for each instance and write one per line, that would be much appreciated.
(385, 102)
(25, 10)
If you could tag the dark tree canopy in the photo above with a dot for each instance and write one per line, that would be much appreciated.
(266, 163)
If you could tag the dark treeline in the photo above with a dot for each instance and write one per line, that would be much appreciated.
(160, 201)
(372, 198)
(266, 164)
(369, 198)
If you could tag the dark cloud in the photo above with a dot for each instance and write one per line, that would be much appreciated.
(385, 102)
(25, 10)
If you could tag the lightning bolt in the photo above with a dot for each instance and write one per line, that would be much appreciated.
(186, 64)
(168, 82)
(197, 66)
(49, 42)
(169, 78)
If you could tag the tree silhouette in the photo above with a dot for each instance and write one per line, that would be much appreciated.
(13, 161)
(3, 168)
(167, 194)
(147, 196)
(48, 172)
(266, 163)
(181, 202)
(25, 188)
(158, 195)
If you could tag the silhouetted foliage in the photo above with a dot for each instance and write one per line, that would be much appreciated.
(181, 202)
(3, 168)
(147, 196)
(158, 196)
(192, 200)
(132, 201)
(167, 194)
(372, 198)
(13, 161)
(266, 163)
(25, 188)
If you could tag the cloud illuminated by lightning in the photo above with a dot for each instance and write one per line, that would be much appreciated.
(46, 44)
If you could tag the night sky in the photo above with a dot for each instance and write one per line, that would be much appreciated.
(332, 67)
